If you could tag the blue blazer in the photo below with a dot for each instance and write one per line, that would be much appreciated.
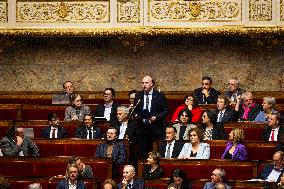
(240, 153)
(62, 132)
(63, 184)
(81, 132)
(118, 152)
(267, 170)
(137, 184)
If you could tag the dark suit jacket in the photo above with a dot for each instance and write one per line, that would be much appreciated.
(64, 184)
(62, 132)
(228, 116)
(10, 149)
(159, 108)
(266, 171)
(81, 132)
(218, 131)
(100, 109)
(176, 150)
(267, 130)
(137, 184)
(131, 129)
(228, 93)
(118, 153)
(211, 99)
(252, 114)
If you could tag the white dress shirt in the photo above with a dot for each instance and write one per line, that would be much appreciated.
(122, 130)
(51, 130)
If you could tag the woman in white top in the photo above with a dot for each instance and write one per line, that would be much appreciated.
(196, 149)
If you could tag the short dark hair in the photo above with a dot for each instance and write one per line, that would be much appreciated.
(195, 102)
(199, 133)
(12, 131)
(171, 127)
(212, 115)
(188, 113)
(112, 91)
(132, 92)
(51, 115)
(226, 100)
(207, 78)
(116, 130)
(74, 96)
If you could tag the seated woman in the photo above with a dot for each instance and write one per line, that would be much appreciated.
(152, 170)
(180, 180)
(211, 129)
(196, 149)
(184, 125)
(235, 149)
(247, 110)
(77, 110)
(268, 106)
(191, 104)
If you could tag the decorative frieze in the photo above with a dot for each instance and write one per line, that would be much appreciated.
(260, 10)
(63, 11)
(3, 11)
(128, 11)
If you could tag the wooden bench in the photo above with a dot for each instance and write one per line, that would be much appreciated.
(198, 169)
(256, 150)
(46, 182)
(10, 112)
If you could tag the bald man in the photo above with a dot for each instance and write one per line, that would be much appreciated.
(151, 112)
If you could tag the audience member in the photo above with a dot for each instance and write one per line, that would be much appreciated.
(212, 130)
(225, 114)
(190, 102)
(77, 110)
(35, 186)
(109, 184)
(85, 171)
(273, 172)
(196, 149)
(54, 130)
(206, 94)
(131, 96)
(180, 179)
(273, 131)
(109, 107)
(171, 147)
(218, 176)
(152, 170)
(68, 87)
(4, 184)
(246, 110)
(220, 185)
(234, 90)
(114, 149)
(151, 113)
(184, 125)
(87, 129)
(235, 149)
(268, 106)
(128, 181)
(71, 180)
(16, 144)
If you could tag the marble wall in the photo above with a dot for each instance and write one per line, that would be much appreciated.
(177, 64)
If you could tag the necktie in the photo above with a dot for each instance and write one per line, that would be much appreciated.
(272, 135)
(129, 186)
(220, 117)
(90, 134)
(53, 133)
(235, 97)
(168, 155)
(147, 101)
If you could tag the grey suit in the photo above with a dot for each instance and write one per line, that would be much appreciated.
(10, 149)
(70, 112)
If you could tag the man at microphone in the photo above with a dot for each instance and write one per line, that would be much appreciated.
(128, 181)
(54, 130)
(151, 111)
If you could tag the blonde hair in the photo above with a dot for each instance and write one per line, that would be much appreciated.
(239, 135)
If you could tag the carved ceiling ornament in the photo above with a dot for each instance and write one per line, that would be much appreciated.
(135, 42)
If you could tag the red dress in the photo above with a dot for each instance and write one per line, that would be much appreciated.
(196, 113)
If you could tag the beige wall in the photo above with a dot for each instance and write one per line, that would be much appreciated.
(177, 65)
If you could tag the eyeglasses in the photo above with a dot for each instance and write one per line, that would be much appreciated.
(247, 100)
(231, 84)
(190, 99)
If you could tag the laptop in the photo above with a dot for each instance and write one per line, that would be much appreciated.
(60, 99)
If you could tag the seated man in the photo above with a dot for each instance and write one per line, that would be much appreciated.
(206, 94)
(234, 90)
(68, 87)
(108, 109)
(218, 176)
(128, 181)
(54, 130)
(87, 129)
(113, 149)
(16, 144)
(273, 131)
(171, 148)
(273, 172)
(225, 114)
(85, 171)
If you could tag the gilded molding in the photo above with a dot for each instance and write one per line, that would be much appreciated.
(281, 10)
(128, 11)
(58, 11)
(260, 10)
(195, 11)
(3, 11)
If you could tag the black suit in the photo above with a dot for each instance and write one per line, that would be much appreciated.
(267, 131)
(137, 184)
(100, 109)
(228, 116)
(176, 150)
(211, 99)
(62, 132)
(154, 130)
(131, 130)
(218, 132)
(81, 132)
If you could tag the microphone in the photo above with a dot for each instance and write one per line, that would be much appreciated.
(139, 100)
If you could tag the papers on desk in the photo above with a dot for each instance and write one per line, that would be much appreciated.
(256, 180)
